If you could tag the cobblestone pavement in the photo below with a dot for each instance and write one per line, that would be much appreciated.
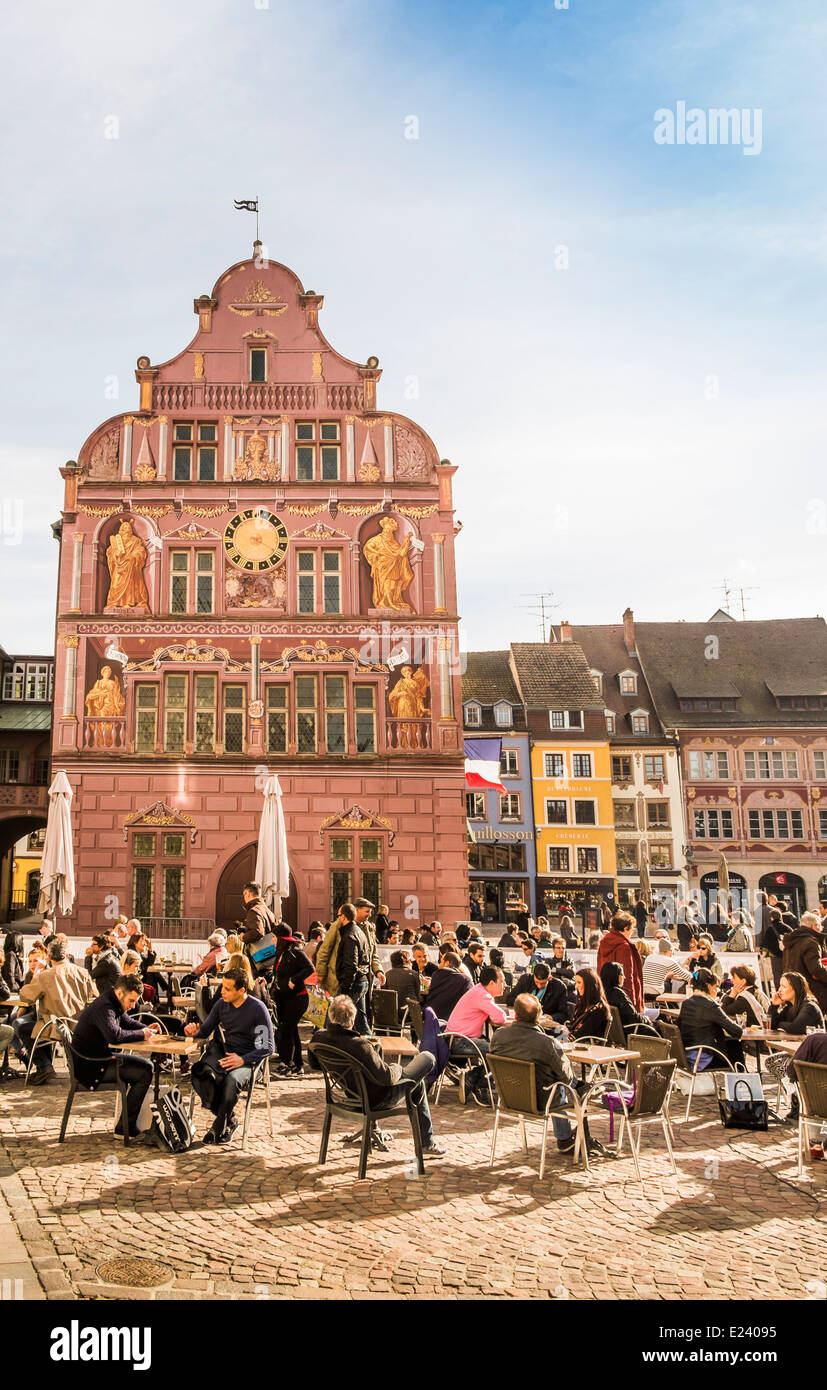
(735, 1223)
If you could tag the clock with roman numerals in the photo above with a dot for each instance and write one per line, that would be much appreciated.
(255, 540)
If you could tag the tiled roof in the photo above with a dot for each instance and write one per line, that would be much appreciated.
(487, 679)
(605, 651)
(17, 715)
(787, 655)
(555, 675)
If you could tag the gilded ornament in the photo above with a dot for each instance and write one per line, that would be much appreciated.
(317, 365)
(417, 513)
(69, 640)
(368, 473)
(198, 366)
(353, 509)
(306, 511)
(100, 511)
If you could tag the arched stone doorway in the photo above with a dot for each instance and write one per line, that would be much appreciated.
(787, 886)
(241, 869)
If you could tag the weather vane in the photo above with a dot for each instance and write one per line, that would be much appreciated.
(248, 205)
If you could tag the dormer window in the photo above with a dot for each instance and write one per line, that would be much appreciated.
(473, 715)
(258, 364)
(597, 677)
(640, 721)
(566, 718)
(610, 722)
(628, 682)
(503, 715)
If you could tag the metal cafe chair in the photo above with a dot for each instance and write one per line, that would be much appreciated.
(260, 1074)
(346, 1093)
(812, 1090)
(517, 1100)
(477, 1057)
(693, 1070)
(63, 1031)
(386, 1016)
(653, 1088)
(42, 1036)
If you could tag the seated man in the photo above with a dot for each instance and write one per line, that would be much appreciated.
(703, 1023)
(64, 990)
(383, 1080)
(402, 979)
(468, 1018)
(105, 1021)
(525, 1041)
(550, 991)
(448, 985)
(228, 1062)
(660, 967)
(422, 967)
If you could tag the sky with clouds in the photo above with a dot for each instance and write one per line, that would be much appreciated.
(620, 343)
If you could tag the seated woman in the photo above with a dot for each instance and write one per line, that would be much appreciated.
(746, 1001)
(559, 962)
(703, 1024)
(612, 978)
(703, 957)
(591, 1012)
(793, 1008)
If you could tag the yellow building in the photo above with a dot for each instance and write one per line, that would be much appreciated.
(25, 885)
(571, 778)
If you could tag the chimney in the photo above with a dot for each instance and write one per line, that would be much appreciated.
(565, 631)
(629, 631)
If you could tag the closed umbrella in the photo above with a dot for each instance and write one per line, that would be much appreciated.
(57, 868)
(645, 880)
(723, 887)
(272, 868)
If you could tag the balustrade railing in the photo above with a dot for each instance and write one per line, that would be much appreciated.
(408, 735)
(104, 733)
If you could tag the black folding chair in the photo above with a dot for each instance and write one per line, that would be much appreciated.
(64, 1037)
(346, 1093)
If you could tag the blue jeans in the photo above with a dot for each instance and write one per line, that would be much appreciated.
(418, 1070)
(359, 994)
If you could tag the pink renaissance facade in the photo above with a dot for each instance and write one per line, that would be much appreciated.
(257, 575)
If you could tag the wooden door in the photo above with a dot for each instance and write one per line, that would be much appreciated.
(229, 907)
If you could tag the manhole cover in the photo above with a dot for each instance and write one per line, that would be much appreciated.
(139, 1273)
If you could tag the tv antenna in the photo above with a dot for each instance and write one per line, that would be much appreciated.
(543, 610)
(737, 593)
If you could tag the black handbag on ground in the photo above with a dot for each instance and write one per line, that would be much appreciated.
(745, 1113)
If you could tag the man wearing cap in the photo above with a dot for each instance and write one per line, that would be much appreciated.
(376, 980)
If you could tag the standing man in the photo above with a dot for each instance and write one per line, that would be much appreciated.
(364, 907)
(258, 921)
(641, 916)
(616, 944)
(227, 1064)
(353, 963)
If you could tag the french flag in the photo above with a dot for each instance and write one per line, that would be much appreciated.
(482, 763)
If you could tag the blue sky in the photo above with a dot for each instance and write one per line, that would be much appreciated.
(631, 429)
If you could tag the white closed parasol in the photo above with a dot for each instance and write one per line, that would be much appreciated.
(57, 866)
(272, 867)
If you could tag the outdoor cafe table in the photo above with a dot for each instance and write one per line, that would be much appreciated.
(397, 1047)
(13, 1002)
(594, 1056)
(181, 967)
(156, 1049)
(782, 1042)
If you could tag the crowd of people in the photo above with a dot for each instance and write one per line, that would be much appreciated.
(253, 985)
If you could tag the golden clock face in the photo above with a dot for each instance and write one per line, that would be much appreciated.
(255, 540)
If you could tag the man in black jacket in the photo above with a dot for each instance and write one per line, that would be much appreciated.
(383, 1080)
(473, 960)
(551, 992)
(353, 964)
(448, 984)
(105, 1021)
(703, 1023)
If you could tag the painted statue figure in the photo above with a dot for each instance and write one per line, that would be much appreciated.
(390, 567)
